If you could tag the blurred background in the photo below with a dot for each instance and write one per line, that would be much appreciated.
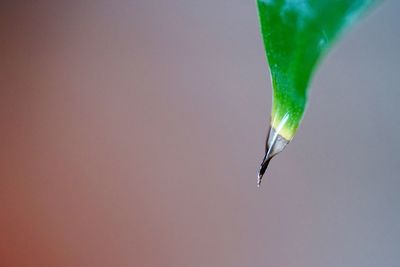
(131, 133)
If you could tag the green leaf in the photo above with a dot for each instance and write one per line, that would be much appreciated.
(297, 34)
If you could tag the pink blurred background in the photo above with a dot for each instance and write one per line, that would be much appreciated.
(131, 133)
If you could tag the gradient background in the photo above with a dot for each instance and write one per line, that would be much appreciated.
(131, 133)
